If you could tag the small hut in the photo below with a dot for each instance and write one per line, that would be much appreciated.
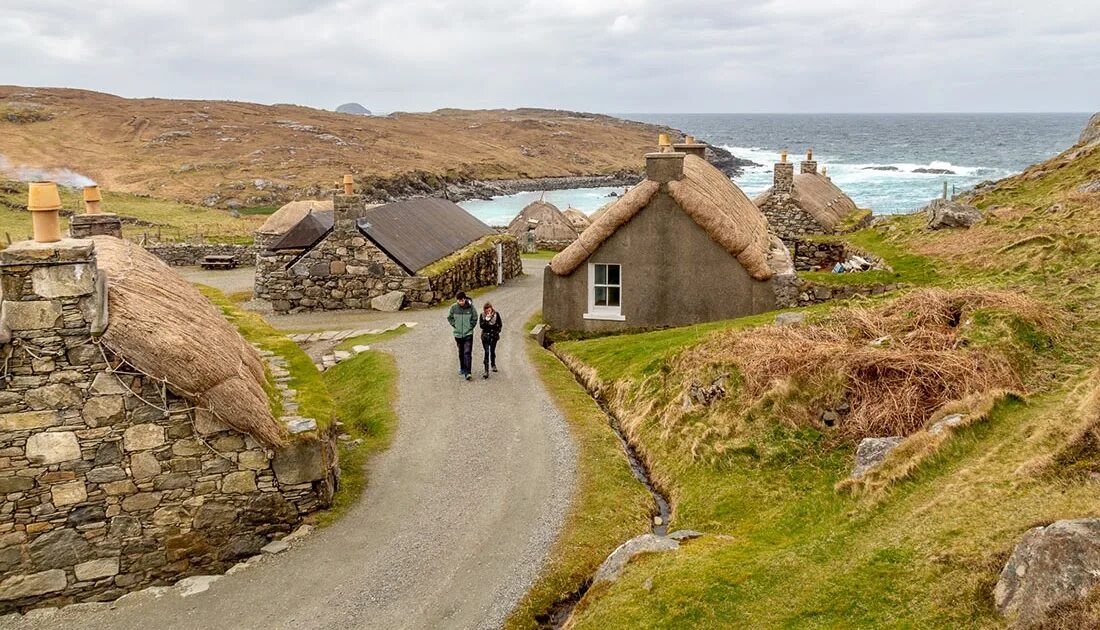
(807, 203)
(540, 225)
(287, 217)
(577, 219)
(683, 246)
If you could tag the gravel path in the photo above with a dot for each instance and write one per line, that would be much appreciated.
(457, 517)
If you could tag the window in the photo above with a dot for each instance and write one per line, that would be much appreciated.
(605, 288)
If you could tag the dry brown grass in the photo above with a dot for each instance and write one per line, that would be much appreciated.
(895, 366)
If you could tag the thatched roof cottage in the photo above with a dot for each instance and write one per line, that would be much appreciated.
(134, 419)
(579, 220)
(683, 246)
(540, 225)
(808, 203)
(347, 253)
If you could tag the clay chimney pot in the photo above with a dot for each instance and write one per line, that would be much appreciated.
(92, 199)
(44, 201)
(349, 185)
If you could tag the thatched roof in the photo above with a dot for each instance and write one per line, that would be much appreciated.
(165, 328)
(818, 196)
(289, 215)
(708, 197)
(600, 211)
(551, 223)
(577, 219)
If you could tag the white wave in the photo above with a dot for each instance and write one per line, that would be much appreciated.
(63, 176)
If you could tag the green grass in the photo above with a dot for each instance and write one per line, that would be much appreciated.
(906, 266)
(365, 389)
(366, 340)
(313, 398)
(542, 254)
(443, 264)
(176, 221)
(1028, 191)
(608, 508)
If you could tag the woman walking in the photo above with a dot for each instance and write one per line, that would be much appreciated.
(490, 323)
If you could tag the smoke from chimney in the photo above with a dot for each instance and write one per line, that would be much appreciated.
(63, 176)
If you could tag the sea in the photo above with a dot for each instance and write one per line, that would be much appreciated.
(853, 147)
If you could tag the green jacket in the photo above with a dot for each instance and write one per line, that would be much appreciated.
(463, 319)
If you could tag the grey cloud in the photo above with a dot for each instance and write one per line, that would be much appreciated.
(671, 55)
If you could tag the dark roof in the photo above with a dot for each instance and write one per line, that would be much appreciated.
(308, 232)
(418, 232)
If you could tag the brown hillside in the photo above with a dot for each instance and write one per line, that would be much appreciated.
(262, 154)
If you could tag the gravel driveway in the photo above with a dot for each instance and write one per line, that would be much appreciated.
(457, 517)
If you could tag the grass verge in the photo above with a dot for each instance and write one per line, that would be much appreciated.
(364, 388)
(609, 506)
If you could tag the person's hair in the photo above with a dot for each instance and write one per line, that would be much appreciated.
(486, 305)
(461, 295)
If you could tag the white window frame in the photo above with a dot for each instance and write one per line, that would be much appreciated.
(607, 313)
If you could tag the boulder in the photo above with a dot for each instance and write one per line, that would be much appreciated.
(390, 302)
(945, 213)
(789, 319)
(614, 565)
(1051, 566)
(871, 452)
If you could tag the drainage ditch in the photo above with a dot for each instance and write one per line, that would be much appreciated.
(559, 612)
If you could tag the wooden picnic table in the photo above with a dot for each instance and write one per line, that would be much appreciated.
(217, 261)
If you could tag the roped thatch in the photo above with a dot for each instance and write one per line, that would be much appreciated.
(165, 328)
(291, 214)
(825, 202)
(551, 224)
(577, 219)
(708, 197)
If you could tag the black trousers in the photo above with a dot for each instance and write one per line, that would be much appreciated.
(465, 353)
(490, 348)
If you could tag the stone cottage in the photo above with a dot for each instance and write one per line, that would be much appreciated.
(541, 225)
(420, 251)
(683, 246)
(808, 203)
(137, 442)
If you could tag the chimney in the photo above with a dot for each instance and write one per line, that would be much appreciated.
(783, 182)
(809, 165)
(43, 201)
(825, 173)
(664, 167)
(347, 207)
(664, 145)
(349, 185)
(94, 222)
(691, 147)
(91, 199)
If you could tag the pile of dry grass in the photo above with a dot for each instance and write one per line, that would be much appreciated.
(161, 325)
(892, 367)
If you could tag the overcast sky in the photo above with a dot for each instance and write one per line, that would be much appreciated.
(593, 55)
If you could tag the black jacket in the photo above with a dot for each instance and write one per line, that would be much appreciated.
(490, 330)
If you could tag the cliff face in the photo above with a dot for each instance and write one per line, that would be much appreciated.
(227, 154)
(1091, 134)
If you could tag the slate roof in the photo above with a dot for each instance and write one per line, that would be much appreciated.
(418, 232)
(307, 232)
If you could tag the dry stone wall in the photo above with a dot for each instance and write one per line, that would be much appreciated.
(190, 255)
(109, 481)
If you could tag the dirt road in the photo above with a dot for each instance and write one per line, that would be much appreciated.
(457, 517)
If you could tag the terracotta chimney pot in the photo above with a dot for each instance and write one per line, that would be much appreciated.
(349, 185)
(43, 201)
(92, 199)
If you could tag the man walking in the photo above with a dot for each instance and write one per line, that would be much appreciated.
(463, 319)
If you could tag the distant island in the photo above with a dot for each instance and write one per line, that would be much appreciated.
(353, 108)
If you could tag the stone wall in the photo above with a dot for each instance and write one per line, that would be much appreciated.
(190, 255)
(792, 291)
(110, 482)
(346, 270)
(787, 220)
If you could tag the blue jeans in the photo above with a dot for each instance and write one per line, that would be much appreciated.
(465, 353)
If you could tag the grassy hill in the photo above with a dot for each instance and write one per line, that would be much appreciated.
(1005, 331)
(221, 152)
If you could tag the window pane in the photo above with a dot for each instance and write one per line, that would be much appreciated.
(613, 274)
(613, 296)
(601, 296)
(601, 274)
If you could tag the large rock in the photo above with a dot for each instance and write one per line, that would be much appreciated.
(945, 213)
(1091, 134)
(871, 451)
(614, 565)
(35, 315)
(29, 420)
(390, 302)
(20, 586)
(1051, 565)
(300, 462)
(53, 447)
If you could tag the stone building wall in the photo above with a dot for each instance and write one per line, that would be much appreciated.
(346, 270)
(190, 255)
(787, 220)
(792, 291)
(110, 482)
